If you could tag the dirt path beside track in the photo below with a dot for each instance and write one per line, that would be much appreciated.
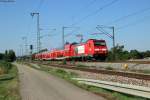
(38, 85)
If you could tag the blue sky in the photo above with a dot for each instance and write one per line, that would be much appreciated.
(133, 32)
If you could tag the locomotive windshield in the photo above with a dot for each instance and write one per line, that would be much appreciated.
(99, 43)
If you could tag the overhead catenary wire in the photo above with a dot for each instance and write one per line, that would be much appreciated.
(129, 15)
(105, 32)
(36, 9)
(70, 33)
(95, 12)
(133, 23)
(90, 4)
(40, 4)
(84, 8)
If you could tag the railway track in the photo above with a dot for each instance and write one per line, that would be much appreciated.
(132, 62)
(135, 62)
(102, 71)
(123, 88)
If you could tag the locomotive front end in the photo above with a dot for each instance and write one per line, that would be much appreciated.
(100, 49)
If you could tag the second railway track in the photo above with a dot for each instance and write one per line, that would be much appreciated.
(103, 71)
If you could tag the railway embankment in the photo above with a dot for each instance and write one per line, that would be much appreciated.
(107, 74)
(134, 66)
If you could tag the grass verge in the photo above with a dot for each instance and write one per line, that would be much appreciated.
(108, 94)
(9, 85)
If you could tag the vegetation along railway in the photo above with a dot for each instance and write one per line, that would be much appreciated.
(103, 71)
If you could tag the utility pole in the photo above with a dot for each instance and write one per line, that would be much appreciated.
(38, 31)
(21, 50)
(63, 34)
(25, 44)
(80, 36)
(31, 51)
(113, 36)
(114, 50)
(46, 35)
(63, 37)
(109, 35)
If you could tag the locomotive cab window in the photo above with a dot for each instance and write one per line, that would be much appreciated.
(99, 43)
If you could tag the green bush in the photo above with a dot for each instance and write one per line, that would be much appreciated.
(9, 85)
(60, 71)
(109, 68)
(82, 66)
(64, 62)
(5, 67)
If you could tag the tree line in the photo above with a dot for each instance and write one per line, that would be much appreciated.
(8, 56)
(122, 54)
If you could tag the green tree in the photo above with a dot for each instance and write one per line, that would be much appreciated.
(120, 54)
(135, 54)
(6, 55)
(9, 56)
(146, 54)
(1, 56)
(126, 55)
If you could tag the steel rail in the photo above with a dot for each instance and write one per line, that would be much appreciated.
(104, 71)
(132, 62)
(123, 88)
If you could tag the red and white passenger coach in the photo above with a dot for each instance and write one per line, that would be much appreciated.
(91, 49)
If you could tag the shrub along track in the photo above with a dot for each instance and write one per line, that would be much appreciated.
(102, 71)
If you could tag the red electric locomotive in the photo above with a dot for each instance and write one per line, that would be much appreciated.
(91, 49)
